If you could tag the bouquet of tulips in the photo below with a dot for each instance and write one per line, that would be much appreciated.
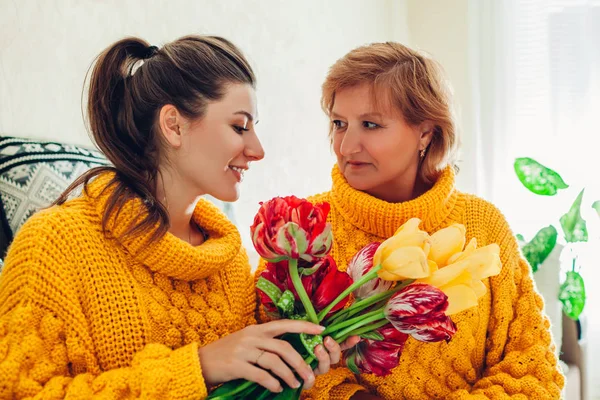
(407, 286)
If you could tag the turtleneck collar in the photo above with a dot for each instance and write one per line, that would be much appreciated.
(170, 255)
(380, 218)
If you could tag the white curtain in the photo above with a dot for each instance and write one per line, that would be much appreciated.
(536, 87)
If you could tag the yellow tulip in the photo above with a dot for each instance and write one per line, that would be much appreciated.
(404, 263)
(461, 280)
(404, 255)
(447, 242)
(472, 245)
(407, 235)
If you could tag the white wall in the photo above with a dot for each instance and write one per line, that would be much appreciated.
(47, 47)
(441, 29)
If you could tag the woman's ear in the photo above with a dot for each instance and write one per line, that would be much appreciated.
(426, 129)
(170, 122)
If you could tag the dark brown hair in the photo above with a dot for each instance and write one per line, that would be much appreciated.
(124, 103)
(414, 84)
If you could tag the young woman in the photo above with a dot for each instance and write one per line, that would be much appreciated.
(138, 288)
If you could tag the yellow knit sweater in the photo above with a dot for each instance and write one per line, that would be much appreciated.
(87, 316)
(502, 348)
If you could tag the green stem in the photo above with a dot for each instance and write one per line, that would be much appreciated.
(364, 329)
(361, 323)
(367, 302)
(308, 307)
(350, 322)
(233, 392)
(365, 278)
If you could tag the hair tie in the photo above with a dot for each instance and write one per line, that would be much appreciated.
(150, 51)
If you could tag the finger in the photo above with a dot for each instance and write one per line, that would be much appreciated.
(279, 327)
(262, 377)
(324, 360)
(350, 342)
(273, 363)
(334, 350)
(286, 352)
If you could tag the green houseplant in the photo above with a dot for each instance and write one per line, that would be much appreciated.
(544, 181)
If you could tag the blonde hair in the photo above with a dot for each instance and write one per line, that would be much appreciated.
(415, 86)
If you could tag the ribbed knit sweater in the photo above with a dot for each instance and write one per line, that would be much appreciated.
(503, 348)
(84, 315)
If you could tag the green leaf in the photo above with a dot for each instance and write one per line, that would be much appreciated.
(520, 237)
(572, 295)
(288, 393)
(285, 303)
(351, 363)
(373, 335)
(310, 342)
(232, 390)
(572, 224)
(269, 288)
(596, 206)
(540, 247)
(538, 178)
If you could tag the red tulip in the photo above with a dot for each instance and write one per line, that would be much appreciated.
(328, 285)
(293, 228)
(377, 357)
(359, 265)
(418, 310)
(322, 286)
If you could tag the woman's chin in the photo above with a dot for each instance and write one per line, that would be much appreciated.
(228, 195)
(359, 183)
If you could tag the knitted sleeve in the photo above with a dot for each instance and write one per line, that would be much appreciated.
(520, 354)
(46, 351)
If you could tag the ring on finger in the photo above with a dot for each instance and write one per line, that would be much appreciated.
(259, 356)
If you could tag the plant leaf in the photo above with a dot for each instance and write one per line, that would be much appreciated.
(538, 178)
(288, 393)
(230, 389)
(310, 342)
(285, 303)
(540, 247)
(572, 224)
(520, 237)
(373, 335)
(596, 206)
(572, 295)
(351, 363)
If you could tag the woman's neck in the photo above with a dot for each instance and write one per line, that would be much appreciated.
(180, 205)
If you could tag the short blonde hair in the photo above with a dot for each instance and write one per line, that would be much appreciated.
(415, 86)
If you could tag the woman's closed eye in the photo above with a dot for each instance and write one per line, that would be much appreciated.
(240, 129)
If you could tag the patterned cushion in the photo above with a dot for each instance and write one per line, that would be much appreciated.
(34, 173)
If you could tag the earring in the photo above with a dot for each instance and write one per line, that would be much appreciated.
(422, 153)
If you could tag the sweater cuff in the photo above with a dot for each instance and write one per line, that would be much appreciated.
(187, 382)
(344, 391)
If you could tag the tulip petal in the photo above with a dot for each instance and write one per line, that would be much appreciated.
(412, 225)
(447, 242)
(460, 298)
(320, 245)
(406, 263)
(291, 239)
(416, 300)
(436, 330)
(479, 288)
(449, 273)
(471, 246)
(359, 265)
